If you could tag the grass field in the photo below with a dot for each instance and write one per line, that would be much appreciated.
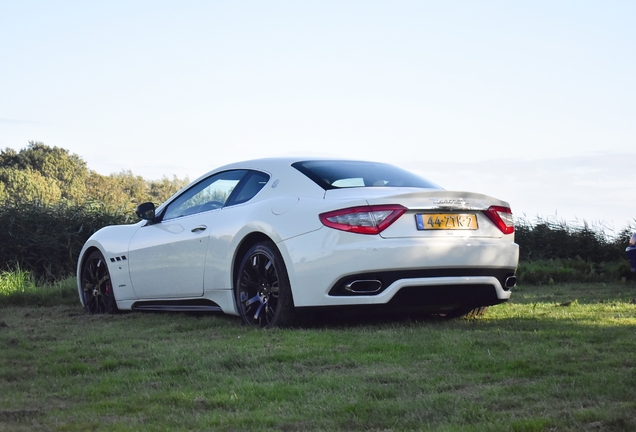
(559, 357)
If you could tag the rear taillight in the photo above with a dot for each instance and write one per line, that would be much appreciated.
(363, 220)
(502, 218)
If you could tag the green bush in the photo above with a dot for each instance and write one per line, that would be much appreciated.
(557, 251)
(548, 240)
(50, 204)
(544, 272)
(46, 240)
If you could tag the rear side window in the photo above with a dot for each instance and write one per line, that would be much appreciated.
(249, 187)
(335, 174)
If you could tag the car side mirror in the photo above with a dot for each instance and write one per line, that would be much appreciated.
(146, 211)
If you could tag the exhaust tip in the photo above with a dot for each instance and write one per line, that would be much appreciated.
(511, 282)
(364, 286)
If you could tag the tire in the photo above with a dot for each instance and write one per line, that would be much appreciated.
(97, 289)
(262, 290)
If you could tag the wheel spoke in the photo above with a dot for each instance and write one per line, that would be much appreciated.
(105, 278)
(268, 266)
(269, 313)
(274, 288)
(248, 283)
(261, 268)
(251, 301)
(258, 311)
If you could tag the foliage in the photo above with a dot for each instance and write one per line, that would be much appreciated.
(557, 251)
(541, 272)
(17, 281)
(66, 172)
(50, 203)
(554, 358)
(123, 191)
(27, 185)
(52, 175)
(45, 240)
(545, 240)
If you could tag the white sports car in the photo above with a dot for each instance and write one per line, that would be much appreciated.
(264, 239)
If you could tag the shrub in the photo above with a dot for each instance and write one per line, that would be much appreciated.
(557, 251)
(548, 240)
(46, 240)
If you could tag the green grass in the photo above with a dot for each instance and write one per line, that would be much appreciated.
(18, 288)
(15, 282)
(557, 357)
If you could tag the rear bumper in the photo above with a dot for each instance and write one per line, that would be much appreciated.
(453, 270)
(433, 292)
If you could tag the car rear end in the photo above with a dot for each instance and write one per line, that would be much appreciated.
(407, 248)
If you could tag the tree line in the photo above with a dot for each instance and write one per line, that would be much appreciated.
(52, 175)
(51, 202)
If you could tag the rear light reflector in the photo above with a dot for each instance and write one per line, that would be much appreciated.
(364, 219)
(502, 218)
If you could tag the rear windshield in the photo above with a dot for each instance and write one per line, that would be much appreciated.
(335, 174)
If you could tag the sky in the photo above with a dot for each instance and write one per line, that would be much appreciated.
(531, 102)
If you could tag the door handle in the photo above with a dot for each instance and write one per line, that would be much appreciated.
(199, 228)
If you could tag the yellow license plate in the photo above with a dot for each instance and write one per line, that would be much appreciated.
(446, 221)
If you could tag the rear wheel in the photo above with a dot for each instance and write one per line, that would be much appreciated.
(262, 289)
(97, 288)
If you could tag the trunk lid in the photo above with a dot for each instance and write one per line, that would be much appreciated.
(430, 213)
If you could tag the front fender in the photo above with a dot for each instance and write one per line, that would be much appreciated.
(112, 242)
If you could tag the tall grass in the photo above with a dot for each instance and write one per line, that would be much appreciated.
(17, 281)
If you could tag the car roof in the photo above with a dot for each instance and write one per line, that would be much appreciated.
(273, 163)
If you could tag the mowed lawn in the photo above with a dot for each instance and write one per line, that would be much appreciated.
(560, 357)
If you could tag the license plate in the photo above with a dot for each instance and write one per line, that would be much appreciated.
(446, 221)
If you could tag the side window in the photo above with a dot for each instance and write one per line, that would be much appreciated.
(209, 194)
(249, 187)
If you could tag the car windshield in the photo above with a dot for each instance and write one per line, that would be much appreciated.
(335, 174)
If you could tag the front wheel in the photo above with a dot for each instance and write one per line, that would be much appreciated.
(97, 288)
(262, 290)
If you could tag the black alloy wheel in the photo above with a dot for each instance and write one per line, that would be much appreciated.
(97, 288)
(262, 290)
